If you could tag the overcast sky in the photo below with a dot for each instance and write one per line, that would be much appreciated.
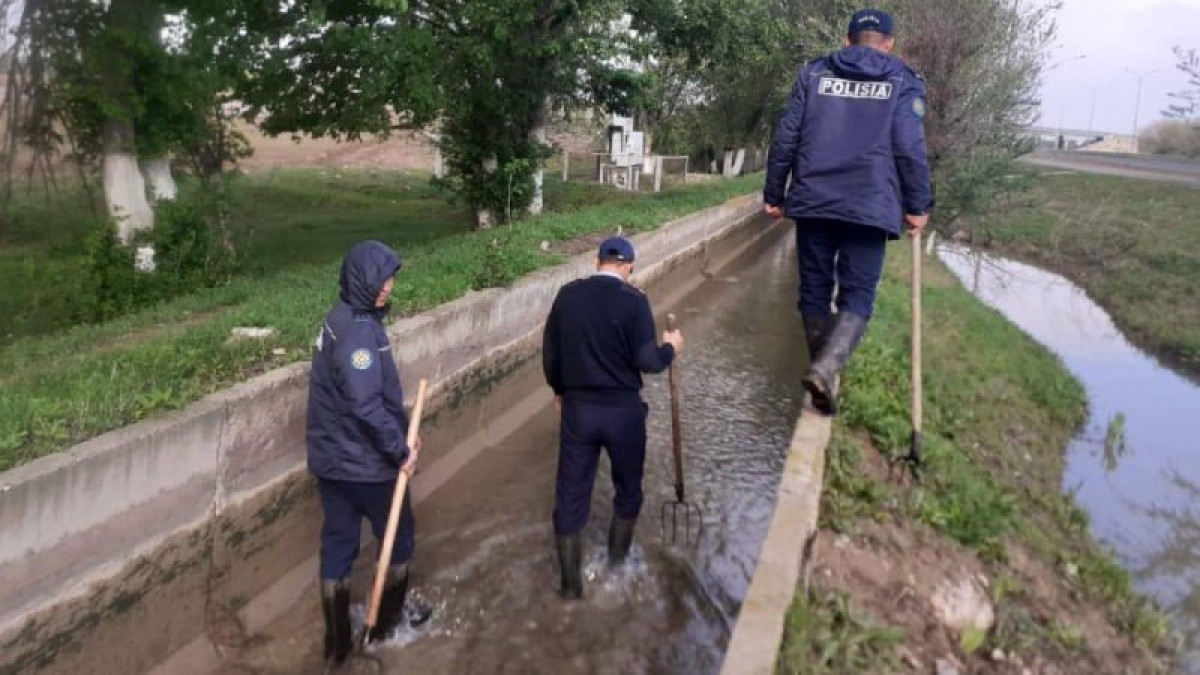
(1115, 35)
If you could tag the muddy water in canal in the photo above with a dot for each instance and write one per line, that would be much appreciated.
(1134, 468)
(485, 557)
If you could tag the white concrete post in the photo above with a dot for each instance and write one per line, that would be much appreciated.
(658, 173)
(566, 159)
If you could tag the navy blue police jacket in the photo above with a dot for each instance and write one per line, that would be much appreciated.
(852, 140)
(356, 418)
(599, 339)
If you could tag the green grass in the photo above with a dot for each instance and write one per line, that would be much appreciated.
(999, 409)
(286, 217)
(824, 634)
(1133, 245)
(59, 389)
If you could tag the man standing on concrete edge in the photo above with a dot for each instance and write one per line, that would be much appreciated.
(853, 142)
(598, 341)
(356, 443)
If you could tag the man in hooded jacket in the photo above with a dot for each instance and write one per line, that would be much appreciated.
(852, 140)
(356, 442)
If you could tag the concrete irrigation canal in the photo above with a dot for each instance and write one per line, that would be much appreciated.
(187, 544)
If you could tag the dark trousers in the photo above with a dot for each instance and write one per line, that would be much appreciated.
(832, 252)
(586, 428)
(345, 504)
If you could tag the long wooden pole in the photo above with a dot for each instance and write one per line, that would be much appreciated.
(389, 535)
(917, 388)
(676, 432)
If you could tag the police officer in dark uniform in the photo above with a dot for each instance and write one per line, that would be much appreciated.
(599, 339)
(356, 443)
(852, 141)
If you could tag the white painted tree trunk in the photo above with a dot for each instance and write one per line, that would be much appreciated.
(539, 177)
(157, 171)
(125, 195)
(738, 162)
(484, 218)
(727, 165)
(439, 163)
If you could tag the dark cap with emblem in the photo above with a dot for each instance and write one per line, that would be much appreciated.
(870, 19)
(616, 248)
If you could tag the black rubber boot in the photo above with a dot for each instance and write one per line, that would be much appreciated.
(335, 605)
(816, 330)
(392, 606)
(570, 554)
(822, 378)
(620, 538)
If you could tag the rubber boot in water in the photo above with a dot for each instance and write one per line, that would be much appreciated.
(335, 605)
(822, 378)
(570, 554)
(816, 329)
(620, 538)
(392, 606)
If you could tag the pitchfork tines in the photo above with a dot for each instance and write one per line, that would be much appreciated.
(681, 512)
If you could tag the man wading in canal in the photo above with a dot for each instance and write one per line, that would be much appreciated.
(598, 341)
(356, 443)
(853, 142)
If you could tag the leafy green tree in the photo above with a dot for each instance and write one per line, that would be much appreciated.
(99, 82)
(505, 66)
(981, 60)
(722, 69)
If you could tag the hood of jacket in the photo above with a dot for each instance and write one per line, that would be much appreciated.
(365, 269)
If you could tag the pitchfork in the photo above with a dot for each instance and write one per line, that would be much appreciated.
(680, 509)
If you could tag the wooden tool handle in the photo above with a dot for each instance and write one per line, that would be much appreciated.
(917, 398)
(389, 535)
(676, 431)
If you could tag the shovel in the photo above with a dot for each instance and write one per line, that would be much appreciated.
(679, 515)
(389, 535)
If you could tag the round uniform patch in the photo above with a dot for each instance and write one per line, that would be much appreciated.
(919, 107)
(361, 359)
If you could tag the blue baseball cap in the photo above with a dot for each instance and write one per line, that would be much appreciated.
(616, 247)
(870, 19)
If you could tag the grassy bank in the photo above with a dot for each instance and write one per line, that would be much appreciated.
(990, 511)
(60, 389)
(282, 218)
(1133, 245)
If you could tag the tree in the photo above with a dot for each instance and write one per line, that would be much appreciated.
(981, 61)
(98, 83)
(487, 74)
(506, 65)
(722, 70)
(1187, 105)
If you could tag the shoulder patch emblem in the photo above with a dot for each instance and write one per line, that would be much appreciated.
(919, 107)
(361, 359)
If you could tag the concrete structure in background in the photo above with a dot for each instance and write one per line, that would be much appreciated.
(1077, 139)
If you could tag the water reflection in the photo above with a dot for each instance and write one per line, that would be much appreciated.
(1133, 467)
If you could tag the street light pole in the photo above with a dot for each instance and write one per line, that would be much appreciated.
(1137, 105)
